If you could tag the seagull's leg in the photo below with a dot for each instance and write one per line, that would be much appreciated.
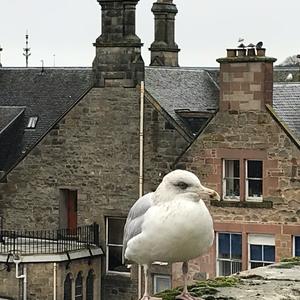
(185, 295)
(146, 293)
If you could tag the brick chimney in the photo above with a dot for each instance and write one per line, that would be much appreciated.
(118, 60)
(246, 80)
(164, 50)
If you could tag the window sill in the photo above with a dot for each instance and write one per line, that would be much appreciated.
(242, 204)
(117, 276)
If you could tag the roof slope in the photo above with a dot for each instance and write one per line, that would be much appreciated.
(286, 102)
(190, 89)
(8, 115)
(47, 95)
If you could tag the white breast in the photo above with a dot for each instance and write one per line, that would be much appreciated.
(175, 231)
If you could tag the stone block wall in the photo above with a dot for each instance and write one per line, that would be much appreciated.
(94, 149)
(10, 286)
(246, 83)
(83, 266)
(250, 135)
(40, 279)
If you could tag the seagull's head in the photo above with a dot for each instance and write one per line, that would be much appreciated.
(181, 182)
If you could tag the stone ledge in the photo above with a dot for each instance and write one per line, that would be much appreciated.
(242, 204)
(279, 281)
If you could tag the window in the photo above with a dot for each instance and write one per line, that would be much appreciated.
(242, 180)
(254, 180)
(78, 287)
(114, 245)
(68, 287)
(296, 245)
(32, 122)
(229, 253)
(90, 286)
(231, 179)
(261, 250)
(161, 283)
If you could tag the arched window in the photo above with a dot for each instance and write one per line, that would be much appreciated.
(90, 286)
(68, 287)
(78, 287)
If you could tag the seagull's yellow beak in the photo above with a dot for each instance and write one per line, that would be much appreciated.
(208, 194)
(213, 195)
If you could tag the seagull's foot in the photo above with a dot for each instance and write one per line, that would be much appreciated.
(186, 296)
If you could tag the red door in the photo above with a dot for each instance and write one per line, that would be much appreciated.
(72, 210)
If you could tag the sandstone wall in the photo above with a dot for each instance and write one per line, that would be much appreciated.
(95, 150)
(246, 135)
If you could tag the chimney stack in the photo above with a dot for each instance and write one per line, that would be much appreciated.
(164, 50)
(246, 80)
(118, 60)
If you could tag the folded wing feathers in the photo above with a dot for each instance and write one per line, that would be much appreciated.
(135, 219)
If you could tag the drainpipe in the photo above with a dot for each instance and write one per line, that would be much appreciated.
(141, 173)
(54, 280)
(23, 276)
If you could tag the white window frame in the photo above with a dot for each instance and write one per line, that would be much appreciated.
(261, 240)
(32, 122)
(226, 259)
(294, 244)
(247, 197)
(228, 198)
(158, 276)
(114, 245)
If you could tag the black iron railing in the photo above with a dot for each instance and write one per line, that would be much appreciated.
(48, 241)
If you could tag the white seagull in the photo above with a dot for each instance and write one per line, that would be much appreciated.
(171, 224)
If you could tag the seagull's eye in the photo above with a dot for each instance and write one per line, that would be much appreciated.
(182, 185)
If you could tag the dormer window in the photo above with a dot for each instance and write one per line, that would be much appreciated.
(32, 122)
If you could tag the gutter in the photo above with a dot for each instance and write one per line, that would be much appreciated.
(141, 170)
(23, 276)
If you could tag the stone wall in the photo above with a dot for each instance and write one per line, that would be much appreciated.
(10, 287)
(245, 85)
(40, 279)
(242, 136)
(95, 150)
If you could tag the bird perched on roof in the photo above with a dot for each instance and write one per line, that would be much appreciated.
(171, 224)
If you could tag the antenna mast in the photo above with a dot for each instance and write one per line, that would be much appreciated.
(26, 49)
(0, 56)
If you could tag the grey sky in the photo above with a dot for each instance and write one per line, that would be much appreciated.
(204, 29)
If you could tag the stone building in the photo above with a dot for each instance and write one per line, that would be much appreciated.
(70, 157)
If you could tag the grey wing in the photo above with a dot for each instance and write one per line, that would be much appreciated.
(135, 219)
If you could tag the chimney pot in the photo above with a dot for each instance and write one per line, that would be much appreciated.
(251, 52)
(241, 52)
(261, 52)
(231, 52)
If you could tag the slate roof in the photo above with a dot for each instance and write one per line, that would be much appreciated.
(286, 102)
(8, 115)
(48, 95)
(182, 89)
(51, 94)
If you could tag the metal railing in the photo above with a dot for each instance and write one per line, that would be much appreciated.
(48, 241)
